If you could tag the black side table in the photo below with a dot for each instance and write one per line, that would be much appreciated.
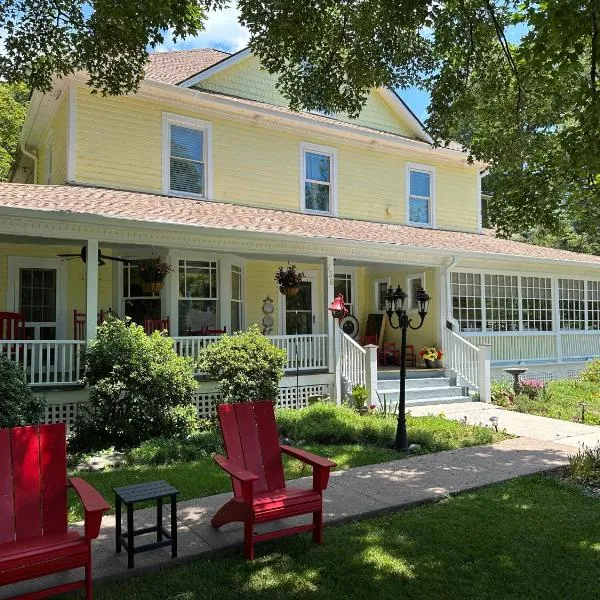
(129, 495)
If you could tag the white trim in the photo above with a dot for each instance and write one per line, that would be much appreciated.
(430, 170)
(72, 135)
(33, 262)
(49, 149)
(169, 119)
(222, 65)
(352, 271)
(376, 283)
(409, 278)
(333, 155)
(479, 203)
(398, 105)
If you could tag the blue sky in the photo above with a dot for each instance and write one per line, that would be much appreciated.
(225, 33)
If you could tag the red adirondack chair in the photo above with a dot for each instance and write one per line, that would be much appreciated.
(254, 462)
(34, 539)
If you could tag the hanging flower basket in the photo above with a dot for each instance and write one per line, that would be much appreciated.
(289, 280)
(152, 287)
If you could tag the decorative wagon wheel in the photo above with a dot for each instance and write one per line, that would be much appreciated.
(349, 325)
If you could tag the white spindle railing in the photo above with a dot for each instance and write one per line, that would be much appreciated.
(463, 358)
(304, 352)
(352, 357)
(47, 362)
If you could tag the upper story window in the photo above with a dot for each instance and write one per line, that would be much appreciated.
(186, 156)
(420, 184)
(318, 179)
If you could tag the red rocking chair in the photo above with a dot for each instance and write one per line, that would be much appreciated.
(34, 539)
(254, 462)
(152, 325)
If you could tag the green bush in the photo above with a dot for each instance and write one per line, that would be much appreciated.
(246, 366)
(584, 467)
(18, 404)
(360, 394)
(135, 382)
(502, 393)
(182, 421)
(591, 373)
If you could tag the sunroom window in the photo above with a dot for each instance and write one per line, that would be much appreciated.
(466, 300)
(502, 303)
(536, 303)
(571, 301)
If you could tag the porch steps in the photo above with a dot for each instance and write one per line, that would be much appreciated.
(420, 390)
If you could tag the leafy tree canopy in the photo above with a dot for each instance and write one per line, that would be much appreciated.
(531, 110)
(13, 106)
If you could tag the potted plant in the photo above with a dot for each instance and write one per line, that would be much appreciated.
(430, 354)
(289, 280)
(152, 273)
(360, 394)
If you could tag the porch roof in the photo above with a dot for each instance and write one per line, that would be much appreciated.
(87, 201)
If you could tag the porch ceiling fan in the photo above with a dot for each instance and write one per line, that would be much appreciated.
(102, 258)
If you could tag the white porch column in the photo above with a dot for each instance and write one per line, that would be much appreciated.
(371, 372)
(484, 372)
(328, 272)
(91, 302)
(170, 294)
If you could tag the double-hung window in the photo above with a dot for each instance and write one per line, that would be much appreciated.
(198, 296)
(420, 185)
(186, 149)
(318, 179)
(342, 284)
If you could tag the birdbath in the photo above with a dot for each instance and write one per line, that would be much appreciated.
(515, 372)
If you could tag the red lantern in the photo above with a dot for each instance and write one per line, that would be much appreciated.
(338, 307)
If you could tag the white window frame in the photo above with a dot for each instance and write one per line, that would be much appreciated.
(430, 170)
(352, 272)
(409, 279)
(241, 301)
(169, 119)
(332, 153)
(376, 283)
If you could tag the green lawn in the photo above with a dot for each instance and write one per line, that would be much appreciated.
(526, 539)
(561, 400)
(203, 477)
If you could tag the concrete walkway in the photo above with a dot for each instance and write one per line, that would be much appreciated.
(531, 426)
(353, 494)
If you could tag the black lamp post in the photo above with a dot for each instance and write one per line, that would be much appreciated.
(394, 304)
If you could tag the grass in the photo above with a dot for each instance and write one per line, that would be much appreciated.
(202, 477)
(561, 400)
(529, 538)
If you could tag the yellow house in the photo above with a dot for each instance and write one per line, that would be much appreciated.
(207, 168)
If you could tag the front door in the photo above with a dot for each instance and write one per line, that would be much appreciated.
(299, 312)
(37, 294)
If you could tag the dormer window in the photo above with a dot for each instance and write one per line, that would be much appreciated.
(420, 185)
(318, 193)
(186, 155)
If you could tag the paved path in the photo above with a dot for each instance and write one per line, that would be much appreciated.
(352, 494)
(531, 426)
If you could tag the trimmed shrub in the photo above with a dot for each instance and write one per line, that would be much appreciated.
(18, 404)
(591, 372)
(246, 366)
(136, 382)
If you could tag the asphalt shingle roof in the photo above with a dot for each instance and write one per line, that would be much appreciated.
(175, 67)
(155, 208)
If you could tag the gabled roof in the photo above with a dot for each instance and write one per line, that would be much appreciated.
(175, 67)
(140, 208)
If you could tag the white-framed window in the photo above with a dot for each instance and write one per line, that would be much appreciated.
(343, 284)
(571, 303)
(593, 305)
(198, 296)
(186, 156)
(420, 194)
(502, 303)
(318, 169)
(380, 288)
(467, 300)
(414, 283)
(138, 301)
(536, 303)
(237, 298)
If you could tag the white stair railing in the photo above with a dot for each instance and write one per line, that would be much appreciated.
(463, 358)
(352, 360)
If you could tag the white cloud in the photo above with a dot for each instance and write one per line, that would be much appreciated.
(222, 31)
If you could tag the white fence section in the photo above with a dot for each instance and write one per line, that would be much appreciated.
(352, 360)
(47, 362)
(462, 357)
(304, 352)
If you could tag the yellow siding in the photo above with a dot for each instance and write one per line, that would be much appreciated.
(55, 136)
(119, 145)
(246, 79)
(75, 271)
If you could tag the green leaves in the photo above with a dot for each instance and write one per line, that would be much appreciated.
(18, 405)
(13, 107)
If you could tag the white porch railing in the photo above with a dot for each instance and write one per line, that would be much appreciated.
(304, 352)
(509, 346)
(463, 358)
(47, 362)
(352, 360)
